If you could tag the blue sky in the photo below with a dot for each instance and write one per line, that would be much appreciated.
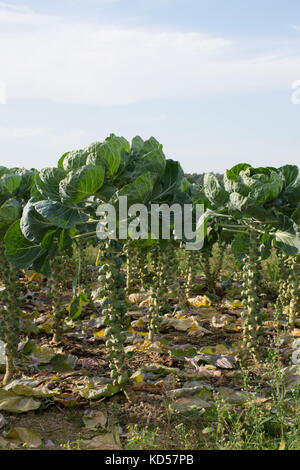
(211, 79)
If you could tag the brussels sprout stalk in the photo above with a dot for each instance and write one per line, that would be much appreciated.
(283, 299)
(294, 290)
(192, 271)
(112, 291)
(141, 265)
(56, 281)
(10, 315)
(253, 330)
(159, 296)
(129, 252)
(85, 280)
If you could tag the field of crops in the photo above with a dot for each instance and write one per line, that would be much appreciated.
(125, 343)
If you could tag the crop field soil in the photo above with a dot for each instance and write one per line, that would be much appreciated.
(142, 343)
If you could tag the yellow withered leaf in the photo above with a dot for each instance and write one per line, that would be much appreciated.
(138, 323)
(200, 301)
(236, 304)
(137, 376)
(37, 277)
(99, 334)
(295, 333)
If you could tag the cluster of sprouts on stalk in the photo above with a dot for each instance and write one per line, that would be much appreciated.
(46, 215)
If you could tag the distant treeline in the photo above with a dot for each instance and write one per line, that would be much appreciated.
(199, 177)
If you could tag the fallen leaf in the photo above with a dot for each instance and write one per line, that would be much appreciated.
(233, 396)
(101, 442)
(94, 419)
(69, 400)
(137, 376)
(201, 390)
(234, 304)
(13, 403)
(184, 324)
(26, 436)
(30, 388)
(156, 389)
(99, 334)
(200, 301)
(140, 323)
(184, 405)
(105, 391)
(223, 361)
(145, 303)
(136, 298)
(295, 333)
(3, 421)
(4, 444)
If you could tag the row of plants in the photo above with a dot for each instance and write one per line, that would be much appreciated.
(48, 217)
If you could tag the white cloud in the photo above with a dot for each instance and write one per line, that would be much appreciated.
(13, 7)
(19, 132)
(61, 137)
(38, 147)
(2, 92)
(296, 27)
(45, 57)
(19, 14)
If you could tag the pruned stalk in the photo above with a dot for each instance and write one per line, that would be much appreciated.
(10, 313)
(252, 315)
(114, 309)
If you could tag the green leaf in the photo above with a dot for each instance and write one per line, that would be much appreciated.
(151, 159)
(3, 170)
(296, 215)
(170, 183)
(60, 163)
(59, 214)
(214, 191)
(234, 172)
(288, 242)
(109, 154)
(139, 191)
(106, 192)
(137, 144)
(73, 160)
(291, 176)
(82, 183)
(48, 238)
(240, 247)
(10, 211)
(20, 251)
(264, 184)
(42, 263)
(33, 225)
(237, 202)
(76, 305)
(233, 181)
(11, 183)
(27, 182)
(47, 182)
(65, 241)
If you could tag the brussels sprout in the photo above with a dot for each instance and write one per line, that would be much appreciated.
(252, 315)
(84, 275)
(159, 298)
(10, 313)
(115, 309)
(56, 282)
